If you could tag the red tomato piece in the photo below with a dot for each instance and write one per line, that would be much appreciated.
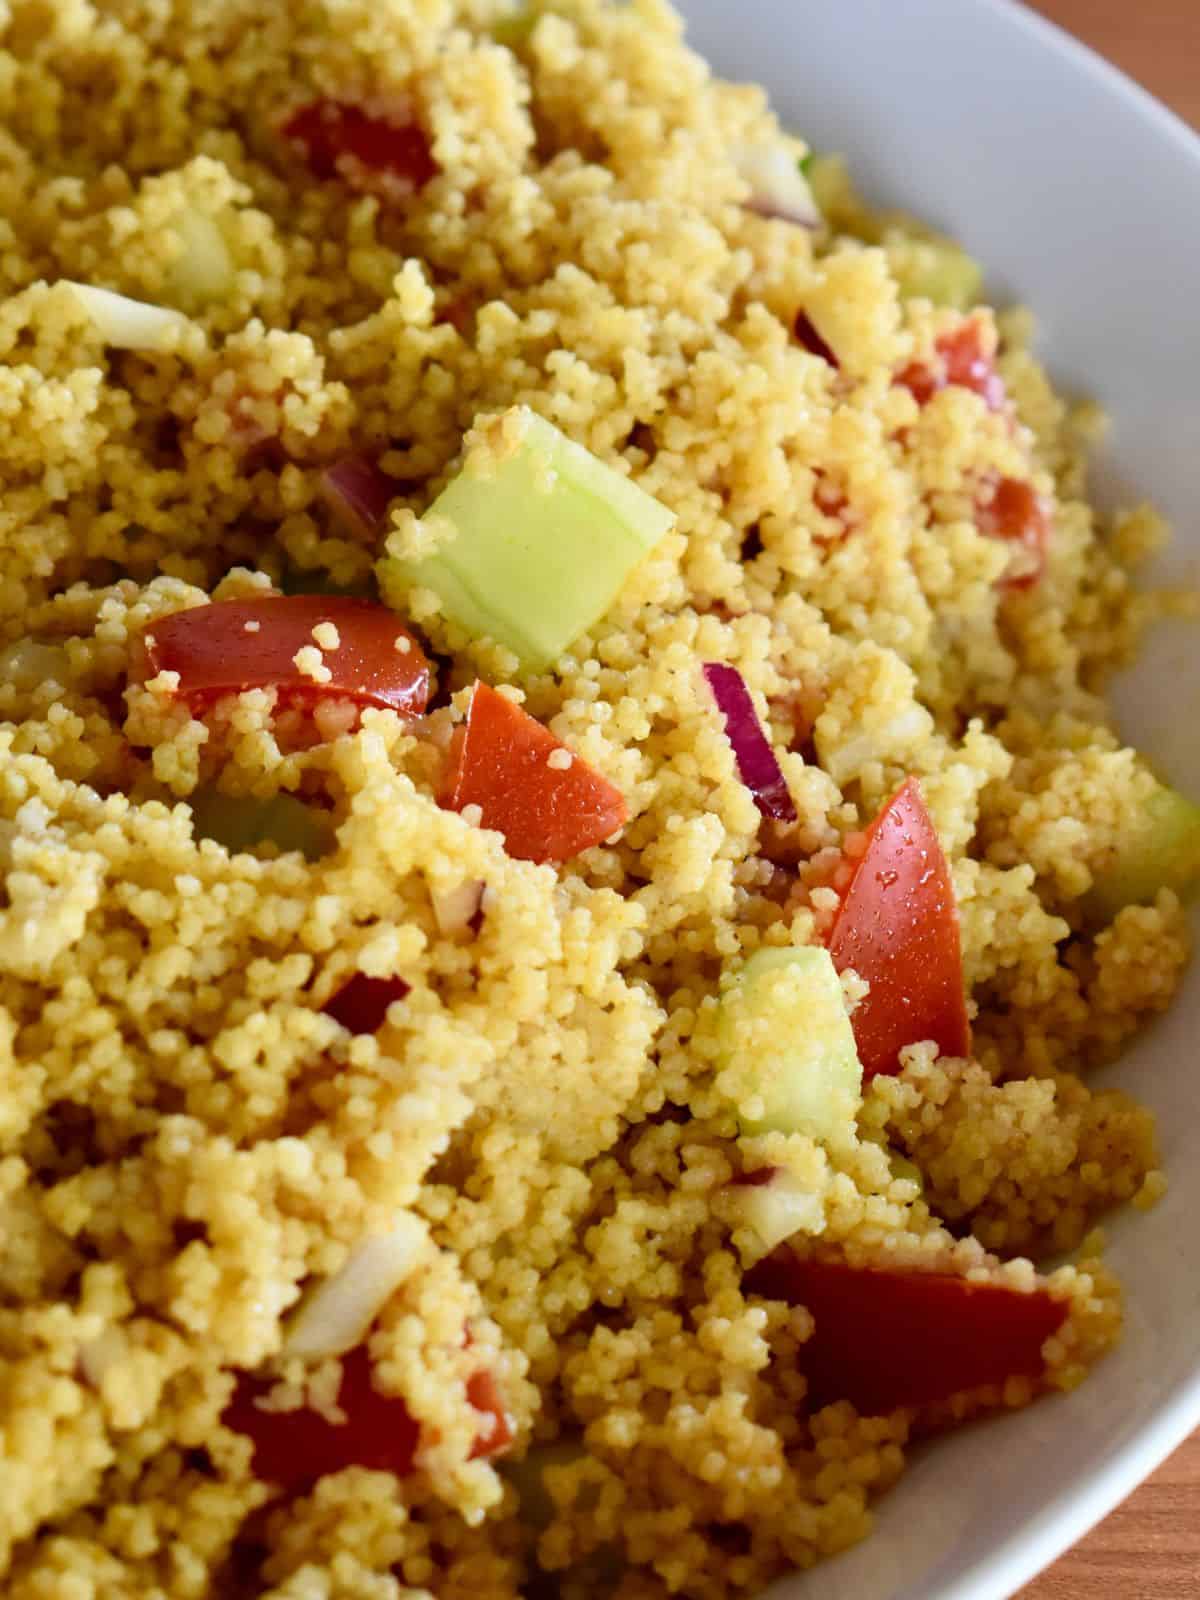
(970, 365)
(330, 131)
(295, 1448)
(232, 645)
(961, 360)
(362, 1003)
(897, 926)
(497, 1429)
(1016, 512)
(885, 1339)
(510, 766)
(921, 381)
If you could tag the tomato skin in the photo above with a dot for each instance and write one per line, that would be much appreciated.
(1018, 513)
(962, 361)
(885, 1339)
(231, 645)
(295, 1448)
(330, 130)
(500, 762)
(897, 926)
(361, 1004)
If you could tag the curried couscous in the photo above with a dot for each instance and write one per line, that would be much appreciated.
(565, 860)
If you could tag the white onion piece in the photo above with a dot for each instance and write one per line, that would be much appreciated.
(454, 909)
(337, 1314)
(128, 324)
(776, 1206)
(777, 186)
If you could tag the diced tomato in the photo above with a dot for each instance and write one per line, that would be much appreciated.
(331, 131)
(807, 334)
(970, 365)
(546, 802)
(295, 1448)
(232, 645)
(897, 926)
(962, 360)
(922, 381)
(497, 1428)
(884, 1339)
(362, 1004)
(831, 500)
(1016, 512)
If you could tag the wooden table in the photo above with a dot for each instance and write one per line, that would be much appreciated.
(1149, 1549)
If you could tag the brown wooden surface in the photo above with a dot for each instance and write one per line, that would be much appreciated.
(1149, 1549)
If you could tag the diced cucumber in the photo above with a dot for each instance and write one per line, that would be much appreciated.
(934, 268)
(787, 1056)
(925, 264)
(541, 538)
(776, 1209)
(241, 823)
(1162, 853)
(203, 271)
(528, 1479)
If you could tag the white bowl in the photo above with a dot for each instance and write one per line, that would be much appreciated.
(1082, 196)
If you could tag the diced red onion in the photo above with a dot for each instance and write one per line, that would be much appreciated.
(806, 334)
(456, 909)
(358, 492)
(757, 765)
(361, 1004)
(778, 188)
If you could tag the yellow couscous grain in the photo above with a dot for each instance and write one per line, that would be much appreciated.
(374, 231)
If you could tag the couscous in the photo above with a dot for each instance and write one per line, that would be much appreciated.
(565, 860)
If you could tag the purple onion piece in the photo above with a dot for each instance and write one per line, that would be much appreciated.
(757, 765)
(358, 492)
(807, 335)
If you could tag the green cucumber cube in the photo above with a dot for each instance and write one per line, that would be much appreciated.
(1163, 853)
(787, 1057)
(243, 824)
(930, 267)
(541, 538)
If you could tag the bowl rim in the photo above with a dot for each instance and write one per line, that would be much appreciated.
(1090, 1496)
